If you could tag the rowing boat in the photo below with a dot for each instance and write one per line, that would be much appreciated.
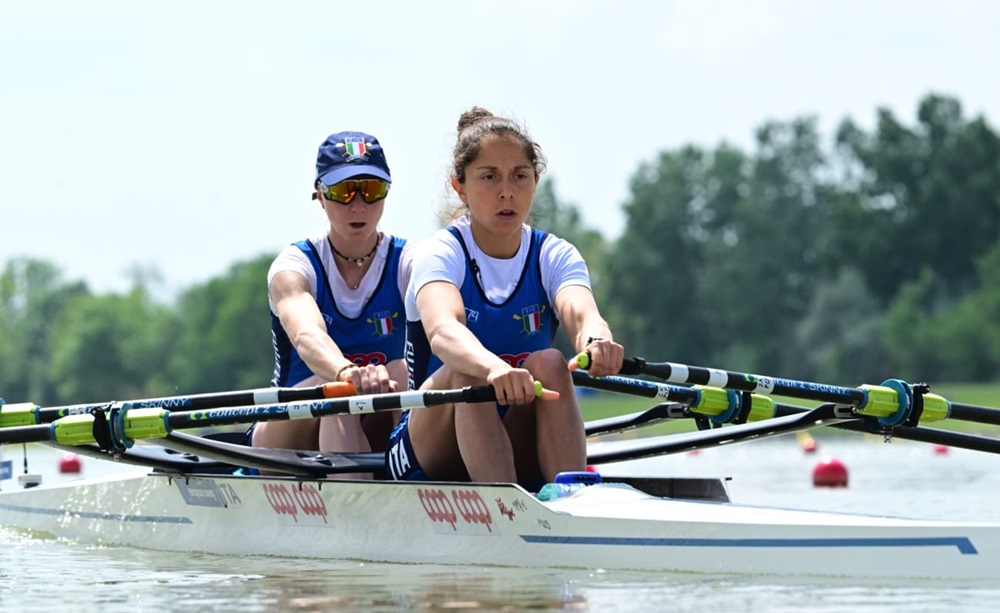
(183, 496)
(630, 524)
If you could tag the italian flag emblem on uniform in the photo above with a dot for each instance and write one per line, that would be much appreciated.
(383, 323)
(531, 317)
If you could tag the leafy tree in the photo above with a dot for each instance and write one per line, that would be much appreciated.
(111, 347)
(912, 336)
(32, 295)
(652, 270)
(840, 339)
(225, 339)
(924, 197)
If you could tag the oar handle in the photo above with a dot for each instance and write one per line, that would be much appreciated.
(630, 366)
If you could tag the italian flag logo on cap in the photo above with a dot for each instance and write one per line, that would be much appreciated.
(355, 147)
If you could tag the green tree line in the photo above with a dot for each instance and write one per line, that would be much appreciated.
(870, 255)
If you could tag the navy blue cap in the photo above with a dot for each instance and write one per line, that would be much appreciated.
(350, 154)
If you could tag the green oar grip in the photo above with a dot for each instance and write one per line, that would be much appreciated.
(761, 407)
(936, 408)
(18, 414)
(146, 423)
(892, 405)
(74, 430)
(135, 424)
(726, 405)
(881, 401)
(711, 401)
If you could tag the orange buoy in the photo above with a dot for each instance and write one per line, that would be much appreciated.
(69, 463)
(830, 472)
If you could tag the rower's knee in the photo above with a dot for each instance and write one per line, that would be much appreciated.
(549, 367)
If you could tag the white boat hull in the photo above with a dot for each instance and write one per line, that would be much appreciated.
(609, 526)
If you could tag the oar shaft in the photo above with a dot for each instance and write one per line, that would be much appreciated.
(325, 408)
(969, 412)
(123, 423)
(26, 434)
(269, 395)
(893, 403)
(758, 384)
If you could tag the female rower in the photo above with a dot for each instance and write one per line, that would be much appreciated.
(336, 302)
(485, 297)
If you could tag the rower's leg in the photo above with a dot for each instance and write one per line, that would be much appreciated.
(343, 433)
(287, 434)
(460, 441)
(561, 444)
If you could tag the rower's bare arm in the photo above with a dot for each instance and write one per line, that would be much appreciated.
(587, 330)
(303, 322)
(442, 313)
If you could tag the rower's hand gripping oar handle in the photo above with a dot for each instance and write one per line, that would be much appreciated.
(630, 366)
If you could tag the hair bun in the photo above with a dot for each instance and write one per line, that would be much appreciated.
(476, 113)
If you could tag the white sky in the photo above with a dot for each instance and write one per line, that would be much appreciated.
(183, 135)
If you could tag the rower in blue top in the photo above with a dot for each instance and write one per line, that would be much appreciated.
(485, 297)
(337, 302)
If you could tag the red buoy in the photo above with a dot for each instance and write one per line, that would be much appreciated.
(69, 463)
(940, 449)
(830, 472)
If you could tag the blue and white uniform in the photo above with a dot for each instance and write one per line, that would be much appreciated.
(508, 306)
(366, 323)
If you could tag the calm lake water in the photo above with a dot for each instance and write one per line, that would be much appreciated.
(901, 478)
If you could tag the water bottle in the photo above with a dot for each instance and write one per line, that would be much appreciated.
(566, 483)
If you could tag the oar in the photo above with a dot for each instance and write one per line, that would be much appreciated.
(893, 403)
(718, 405)
(26, 413)
(121, 424)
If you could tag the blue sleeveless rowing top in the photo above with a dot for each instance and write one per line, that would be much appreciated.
(521, 325)
(370, 338)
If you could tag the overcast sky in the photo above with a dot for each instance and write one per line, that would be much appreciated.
(183, 135)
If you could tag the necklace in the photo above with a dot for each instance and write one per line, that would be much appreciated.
(359, 261)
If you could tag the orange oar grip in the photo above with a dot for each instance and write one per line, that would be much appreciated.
(338, 390)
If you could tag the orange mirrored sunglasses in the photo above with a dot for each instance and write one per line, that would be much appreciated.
(371, 190)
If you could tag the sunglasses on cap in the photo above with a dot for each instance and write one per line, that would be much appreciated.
(371, 190)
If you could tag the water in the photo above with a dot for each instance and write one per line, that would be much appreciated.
(901, 478)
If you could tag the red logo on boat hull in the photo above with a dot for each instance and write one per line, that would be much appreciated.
(460, 509)
(295, 501)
